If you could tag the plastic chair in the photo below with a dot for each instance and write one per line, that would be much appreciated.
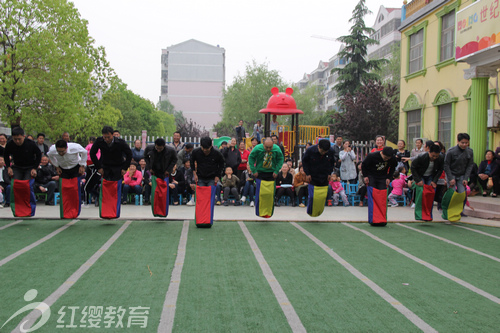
(57, 196)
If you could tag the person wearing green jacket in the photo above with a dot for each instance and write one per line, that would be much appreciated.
(266, 160)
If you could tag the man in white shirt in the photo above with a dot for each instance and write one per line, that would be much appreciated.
(68, 158)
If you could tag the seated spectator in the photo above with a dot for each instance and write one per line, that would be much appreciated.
(301, 185)
(177, 185)
(285, 183)
(290, 166)
(132, 181)
(189, 181)
(248, 186)
(230, 185)
(362, 189)
(4, 182)
(46, 180)
(137, 151)
(146, 181)
(184, 154)
(338, 190)
(397, 188)
(489, 172)
(244, 159)
(255, 142)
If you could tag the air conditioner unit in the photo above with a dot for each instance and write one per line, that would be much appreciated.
(493, 118)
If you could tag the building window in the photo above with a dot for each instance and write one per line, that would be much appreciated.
(413, 127)
(444, 124)
(416, 51)
(447, 36)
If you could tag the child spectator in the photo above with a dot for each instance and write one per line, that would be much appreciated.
(397, 188)
(230, 185)
(338, 190)
(248, 186)
(361, 185)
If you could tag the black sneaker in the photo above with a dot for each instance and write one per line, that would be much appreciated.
(226, 203)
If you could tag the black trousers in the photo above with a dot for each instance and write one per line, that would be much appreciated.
(70, 173)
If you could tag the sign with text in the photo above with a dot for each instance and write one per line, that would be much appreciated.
(477, 28)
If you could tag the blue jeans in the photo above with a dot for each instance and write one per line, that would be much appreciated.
(249, 190)
(137, 189)
(427, 179)
(206, 182)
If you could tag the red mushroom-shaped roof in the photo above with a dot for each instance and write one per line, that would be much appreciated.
(281, 103)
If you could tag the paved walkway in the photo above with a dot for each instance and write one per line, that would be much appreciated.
(246, 213)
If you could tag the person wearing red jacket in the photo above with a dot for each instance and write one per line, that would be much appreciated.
(132, 181)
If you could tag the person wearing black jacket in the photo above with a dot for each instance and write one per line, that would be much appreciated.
(426, 168)
(232, 156)
(318, 162)
(207, 163)
(26, 156)
(115, 155)
(46, 180)
(378, 168)
(489, 168)
(4, 182)
(161, 159)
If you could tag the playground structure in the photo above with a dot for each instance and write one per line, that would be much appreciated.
(306, 133)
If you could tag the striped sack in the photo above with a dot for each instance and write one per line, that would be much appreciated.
(316, 200)
(377, 206)
(71, 200)
(424, 201)
(159, 198)
(453, 205)
(264, 197)
(22, 198)
(204, 210)
(110, 199)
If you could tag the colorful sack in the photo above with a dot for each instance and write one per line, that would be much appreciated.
(110, 199)
(424, 202)
(264, 198)
(159, 197)
(453, 205)
(204, 210)
(377, 206)
(22, 198)
(70, 205)
(316, 199)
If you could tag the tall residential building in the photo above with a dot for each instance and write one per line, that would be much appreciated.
(193, 80)
(386, 33)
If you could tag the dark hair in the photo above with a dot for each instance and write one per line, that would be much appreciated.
(395, 174)
(462, 136)
(160, 142)
(429, 143)
(435, 149)
(388, 151)
(107, 129)
(116, 131)
(186, 160)
(3, 134)
(380, 136)
(39, 135)
(17, 131)
(254, 138)
(441, 145)
(324, 144)
(492, 152)
(275, 136)
(61, 144)
(188, 145)
(92, 138)
(309, 143)
(222, 143)
(402, 141)
(420, 140)
(178, 133)
(206, 142)
(134, 163)
(288, 160)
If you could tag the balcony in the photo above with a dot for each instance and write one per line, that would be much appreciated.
(414, 6)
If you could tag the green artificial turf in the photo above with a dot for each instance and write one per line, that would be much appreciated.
(48, 265)
(121, 278)
(491, 230)
(440, 302)
(222, 286)
(325, 295)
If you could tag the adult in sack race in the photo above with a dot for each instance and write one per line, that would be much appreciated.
(160, 160)
(113, 164)
(26, 156)
(426, 169)
(69, 159)
(318, 162)
(378, 168)
(208, 166)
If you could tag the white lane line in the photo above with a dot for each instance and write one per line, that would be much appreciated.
(416, 320)
(32, 317)
(287, 308)
(38, 242)
(11, 224)
(451, 242)
(169, 306)
(430, 266)
(478, 231)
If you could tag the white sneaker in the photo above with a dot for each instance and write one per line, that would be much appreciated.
(243, 200)
(413, 205)
(394, 205)
(251, 204)
(190, 202)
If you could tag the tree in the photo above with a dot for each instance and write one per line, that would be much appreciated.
(358, 69)
(169, 108)
(51, 75)
(368, 113)
(390, 72)
(246, 96)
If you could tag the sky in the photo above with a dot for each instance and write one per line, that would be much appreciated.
(278, 33)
